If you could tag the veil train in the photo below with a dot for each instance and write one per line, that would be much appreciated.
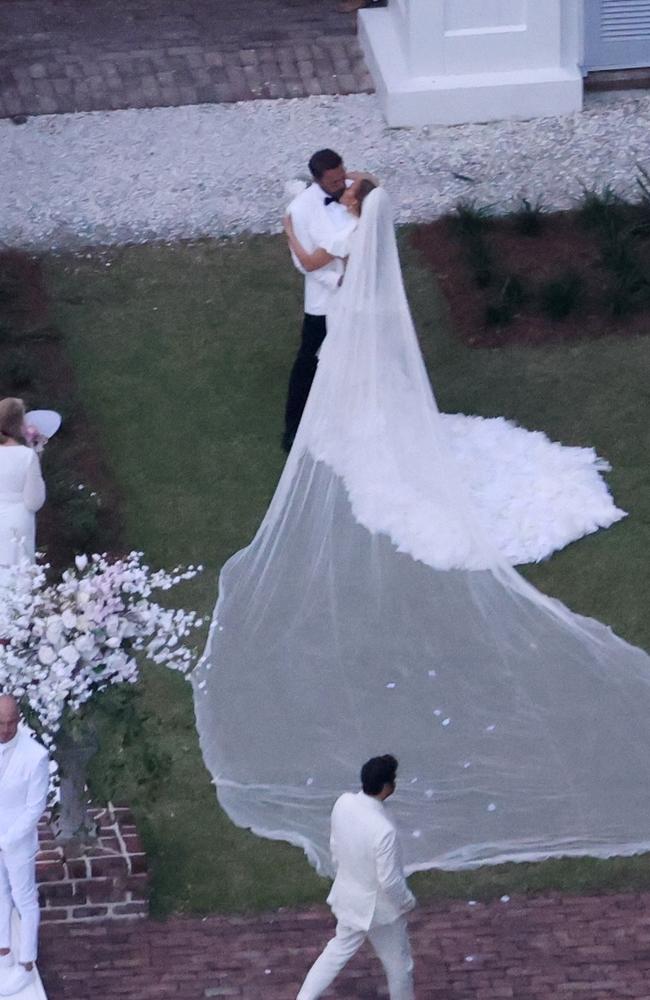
(371, 613)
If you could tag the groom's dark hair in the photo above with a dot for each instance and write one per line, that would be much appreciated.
(324, 159)
(377, 772)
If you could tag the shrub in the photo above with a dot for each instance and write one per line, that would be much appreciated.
(528, 217)
(470, 218)
(631, 285)
(560, 296)
(601, 209)
(511, 296)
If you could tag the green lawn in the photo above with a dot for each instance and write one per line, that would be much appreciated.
(182, 355)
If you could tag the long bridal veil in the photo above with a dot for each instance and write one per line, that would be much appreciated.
(371, 614)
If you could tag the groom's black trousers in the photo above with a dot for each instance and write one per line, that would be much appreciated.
(302, 375)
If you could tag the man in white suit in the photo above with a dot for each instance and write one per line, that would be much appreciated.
(369, 897)
(24, 780)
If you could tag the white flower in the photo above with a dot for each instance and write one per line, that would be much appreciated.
(54, 631)
(68, 640)
(85, 644)
(69, 618)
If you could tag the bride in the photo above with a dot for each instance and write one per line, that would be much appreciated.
(534, 495)
(373, 611)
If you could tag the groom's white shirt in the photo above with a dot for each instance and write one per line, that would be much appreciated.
(317, 225)
(369, 887)
(24, 781)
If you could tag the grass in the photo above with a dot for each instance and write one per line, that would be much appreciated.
(182, 355)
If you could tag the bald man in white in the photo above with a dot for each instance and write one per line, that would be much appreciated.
(24, 781)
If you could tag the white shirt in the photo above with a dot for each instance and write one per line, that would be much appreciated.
(6, 750)
(318, 225)
(369, 887)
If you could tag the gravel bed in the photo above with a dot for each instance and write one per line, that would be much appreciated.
(218, 170)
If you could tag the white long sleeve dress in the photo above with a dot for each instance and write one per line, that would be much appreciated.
(22, 493)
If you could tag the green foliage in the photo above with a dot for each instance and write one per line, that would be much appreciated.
(133, 757)
(643, 183)
(601, 209)
(561, 296)
(511, 297)
(470, 222)
(631, 286)
(78, 507)
(528, 217)
(469, 218)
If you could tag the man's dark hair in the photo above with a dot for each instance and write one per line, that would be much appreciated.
(324, 159)
(377, 772)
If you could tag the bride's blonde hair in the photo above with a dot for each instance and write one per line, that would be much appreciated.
(12, 419)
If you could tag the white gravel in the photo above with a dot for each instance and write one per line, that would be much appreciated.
(215, 170)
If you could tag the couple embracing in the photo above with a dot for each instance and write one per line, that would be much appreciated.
(320, 225)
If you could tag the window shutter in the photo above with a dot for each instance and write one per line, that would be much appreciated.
(622, 19)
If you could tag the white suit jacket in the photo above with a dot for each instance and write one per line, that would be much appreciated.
(369, 887)
(23, 794)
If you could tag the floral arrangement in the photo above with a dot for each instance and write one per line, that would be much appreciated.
(60, 643)
(34, 439)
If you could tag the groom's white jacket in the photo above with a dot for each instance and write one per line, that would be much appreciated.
(24, 781)
(369, 887)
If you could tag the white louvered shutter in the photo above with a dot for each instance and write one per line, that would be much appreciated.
(617, 34)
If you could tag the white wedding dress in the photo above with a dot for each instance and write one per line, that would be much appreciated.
(533, 495)
(376, 610)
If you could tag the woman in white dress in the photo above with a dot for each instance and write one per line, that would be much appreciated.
(535, 496)
(22, 490)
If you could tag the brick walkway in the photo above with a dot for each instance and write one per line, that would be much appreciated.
(92, 55)
(544, 948)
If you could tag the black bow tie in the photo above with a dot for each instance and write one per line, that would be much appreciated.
(334, 197)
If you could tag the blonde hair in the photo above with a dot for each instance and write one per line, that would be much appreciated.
(12, 418)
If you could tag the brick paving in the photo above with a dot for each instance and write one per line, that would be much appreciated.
(96, 55)
(537, 948)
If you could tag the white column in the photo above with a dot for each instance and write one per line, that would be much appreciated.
(454, 61)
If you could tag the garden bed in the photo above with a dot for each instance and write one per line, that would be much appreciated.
(81, 511)
(532, 277)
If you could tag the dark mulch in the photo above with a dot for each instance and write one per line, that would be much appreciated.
(34, 366)
(564, 246)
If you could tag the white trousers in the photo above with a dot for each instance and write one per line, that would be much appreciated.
(391, 944)
(18, 888)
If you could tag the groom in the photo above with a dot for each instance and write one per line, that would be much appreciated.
(316, 216)
(369, 897)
